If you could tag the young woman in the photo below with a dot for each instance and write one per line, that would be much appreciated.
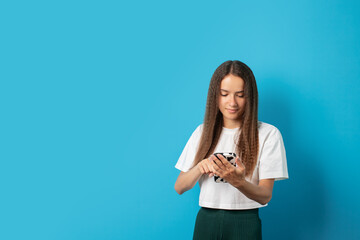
(229, 209)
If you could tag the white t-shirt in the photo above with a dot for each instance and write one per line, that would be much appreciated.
(271, 164)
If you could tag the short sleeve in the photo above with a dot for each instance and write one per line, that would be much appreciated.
(273, 162)
(188, 154)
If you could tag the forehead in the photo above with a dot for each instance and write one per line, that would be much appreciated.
(232, 83)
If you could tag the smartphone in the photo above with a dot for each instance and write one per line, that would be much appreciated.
(231, 157)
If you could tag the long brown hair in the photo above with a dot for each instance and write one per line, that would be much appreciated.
(248, 143)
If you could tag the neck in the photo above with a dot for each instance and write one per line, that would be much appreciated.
(232, 125)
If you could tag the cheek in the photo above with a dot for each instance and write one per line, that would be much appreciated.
(221, 103)
(242, 102)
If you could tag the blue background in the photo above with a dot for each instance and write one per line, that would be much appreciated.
(98, 99)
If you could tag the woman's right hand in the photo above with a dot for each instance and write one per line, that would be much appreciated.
(205, 167)
(187, 180)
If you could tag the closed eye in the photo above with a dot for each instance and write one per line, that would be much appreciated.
(240, 96)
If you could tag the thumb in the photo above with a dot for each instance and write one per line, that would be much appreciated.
(238, 162)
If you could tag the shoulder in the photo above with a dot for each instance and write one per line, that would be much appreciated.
(268, 131)
(198, 130)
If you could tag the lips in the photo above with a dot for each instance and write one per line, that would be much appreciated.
(232, 110)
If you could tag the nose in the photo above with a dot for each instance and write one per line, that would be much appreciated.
(233, 101)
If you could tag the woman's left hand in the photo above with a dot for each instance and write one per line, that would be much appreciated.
(224, 169)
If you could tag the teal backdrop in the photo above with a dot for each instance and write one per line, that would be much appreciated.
(98, 99)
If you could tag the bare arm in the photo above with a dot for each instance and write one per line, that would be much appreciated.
(187, 180)
(260, 193)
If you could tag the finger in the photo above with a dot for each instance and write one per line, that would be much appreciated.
(209, 166)
(206, 168)
(225, 161)
(201, 169)
(210, 163)
(239, 163)
(216, 169)
(212, 158)
(219, 174)
(220, 161)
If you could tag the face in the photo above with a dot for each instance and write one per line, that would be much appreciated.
(232, 100)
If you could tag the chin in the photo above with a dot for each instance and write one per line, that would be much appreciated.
(233, 117)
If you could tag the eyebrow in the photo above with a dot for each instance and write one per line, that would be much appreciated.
(228, 91)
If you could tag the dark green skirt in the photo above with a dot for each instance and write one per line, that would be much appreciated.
(216, 224)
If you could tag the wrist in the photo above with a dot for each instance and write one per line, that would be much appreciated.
(240, 184)
(197, 169)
